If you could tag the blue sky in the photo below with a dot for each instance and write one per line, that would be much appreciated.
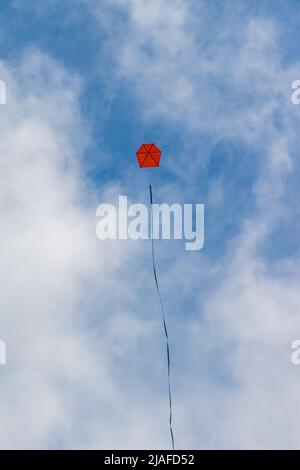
(71, 35)
(87, 83)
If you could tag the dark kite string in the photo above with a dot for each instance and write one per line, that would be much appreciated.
(164, 322)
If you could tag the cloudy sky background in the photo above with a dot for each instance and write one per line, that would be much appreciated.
(210, 82)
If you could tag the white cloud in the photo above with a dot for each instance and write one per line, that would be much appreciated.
(69, 317)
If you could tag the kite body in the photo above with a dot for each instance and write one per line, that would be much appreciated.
(148, 155)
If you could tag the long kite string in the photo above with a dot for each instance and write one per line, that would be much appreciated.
(164, 321)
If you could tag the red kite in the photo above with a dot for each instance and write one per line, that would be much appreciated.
(148, 155)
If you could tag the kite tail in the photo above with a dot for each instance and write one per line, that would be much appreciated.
(164, 322)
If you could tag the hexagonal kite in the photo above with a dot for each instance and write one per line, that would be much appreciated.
(148, 155)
